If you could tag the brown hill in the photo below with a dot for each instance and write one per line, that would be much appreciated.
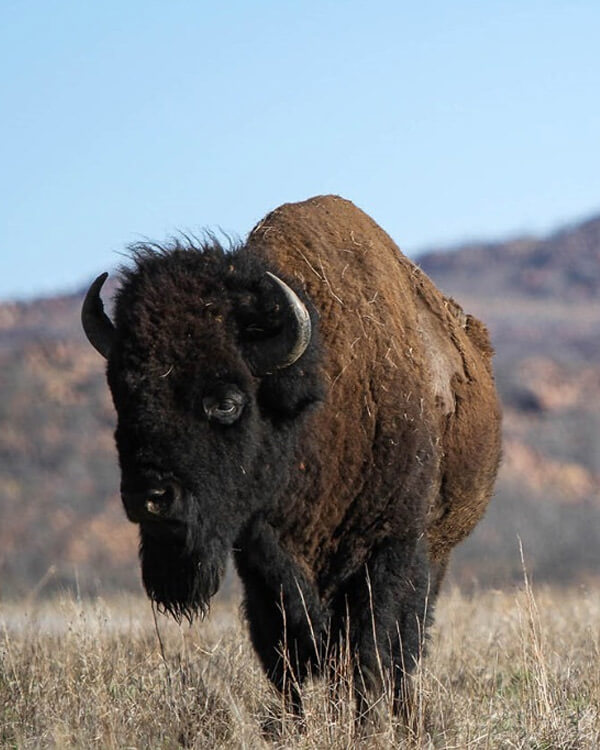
(61, 521)
(563, 266)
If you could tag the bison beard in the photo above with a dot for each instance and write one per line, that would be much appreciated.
(182, 576)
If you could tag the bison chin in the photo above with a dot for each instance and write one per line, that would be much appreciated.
(182, 576)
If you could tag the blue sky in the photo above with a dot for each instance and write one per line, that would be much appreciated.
(443, 120)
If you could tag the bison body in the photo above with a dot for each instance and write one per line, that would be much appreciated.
(310, 401)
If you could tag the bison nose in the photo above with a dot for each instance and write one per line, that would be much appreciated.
(151, 504)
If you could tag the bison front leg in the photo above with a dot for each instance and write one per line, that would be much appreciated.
(389, 605)
(285, 616)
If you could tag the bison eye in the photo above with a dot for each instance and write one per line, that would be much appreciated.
(224, 408)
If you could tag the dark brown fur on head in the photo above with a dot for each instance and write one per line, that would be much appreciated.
(189, 321)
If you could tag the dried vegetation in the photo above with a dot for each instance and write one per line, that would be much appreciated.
(504, 670)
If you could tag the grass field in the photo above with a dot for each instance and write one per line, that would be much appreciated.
(514, 669)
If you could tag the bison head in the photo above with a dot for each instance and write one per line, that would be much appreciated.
(211, 364)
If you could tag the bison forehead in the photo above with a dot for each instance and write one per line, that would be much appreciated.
(161, 303)
(157, 324)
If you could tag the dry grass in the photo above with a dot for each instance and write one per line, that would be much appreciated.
(504, 670)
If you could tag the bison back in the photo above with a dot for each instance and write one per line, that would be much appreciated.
(407, 439)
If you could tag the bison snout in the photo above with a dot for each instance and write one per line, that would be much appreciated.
(152, 504)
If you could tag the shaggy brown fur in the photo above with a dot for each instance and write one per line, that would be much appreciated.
(342, 481)
(411, 408)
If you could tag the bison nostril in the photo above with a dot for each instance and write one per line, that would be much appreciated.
(154, 502)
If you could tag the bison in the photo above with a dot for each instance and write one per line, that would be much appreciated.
(309, 401)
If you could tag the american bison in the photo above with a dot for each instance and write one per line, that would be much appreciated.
(310, 401)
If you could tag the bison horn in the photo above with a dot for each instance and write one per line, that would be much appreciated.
(288, 346)
(301, 321)
(96, 324)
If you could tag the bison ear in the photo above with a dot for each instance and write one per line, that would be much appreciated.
(287, 394)
(275, 326)
(279, 337)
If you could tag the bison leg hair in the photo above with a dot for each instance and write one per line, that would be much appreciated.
(385, 610)
(286, 620)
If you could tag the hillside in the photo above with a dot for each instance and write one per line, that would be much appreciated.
(62, 524)
(565, 265)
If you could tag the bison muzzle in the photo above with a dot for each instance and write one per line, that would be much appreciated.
(310, 401)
